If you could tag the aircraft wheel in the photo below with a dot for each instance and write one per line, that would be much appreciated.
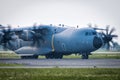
(58, 56)
(46, 56)
(49, 56)
(85, 56)
(54, 56)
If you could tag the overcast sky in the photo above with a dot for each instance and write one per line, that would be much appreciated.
(69, 12)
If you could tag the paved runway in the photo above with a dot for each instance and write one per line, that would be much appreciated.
(63, 63)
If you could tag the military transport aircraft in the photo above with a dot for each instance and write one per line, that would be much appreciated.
(54, 41)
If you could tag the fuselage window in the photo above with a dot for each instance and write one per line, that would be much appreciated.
(90, 33)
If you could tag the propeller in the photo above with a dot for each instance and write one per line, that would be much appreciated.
(38, 35)
(108, 36)
(6, 34)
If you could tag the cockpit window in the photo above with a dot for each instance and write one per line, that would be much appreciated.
(94, 33)
(90, 33)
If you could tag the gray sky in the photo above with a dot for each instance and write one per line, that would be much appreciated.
(69, 12)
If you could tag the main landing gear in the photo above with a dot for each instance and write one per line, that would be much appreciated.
(85, 55)
(54, 56)
(30, 57)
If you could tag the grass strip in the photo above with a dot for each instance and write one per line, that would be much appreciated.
(60, 74)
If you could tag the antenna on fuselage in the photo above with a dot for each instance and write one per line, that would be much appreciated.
(90, 25)
(77, 26)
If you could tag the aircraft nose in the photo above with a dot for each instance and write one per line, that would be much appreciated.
(97, 42)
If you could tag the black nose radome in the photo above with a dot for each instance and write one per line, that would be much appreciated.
(97, 42)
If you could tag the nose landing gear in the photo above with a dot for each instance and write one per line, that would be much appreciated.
(54, 56)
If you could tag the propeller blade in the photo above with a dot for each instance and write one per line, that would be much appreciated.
(112, 42)
(44, 31)
(107, 29)
(104, 37)
(104, 34)
(112, 30)
(36, 42)
(37, 39)
(98, 28)
(108, 46)
(114, 35)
